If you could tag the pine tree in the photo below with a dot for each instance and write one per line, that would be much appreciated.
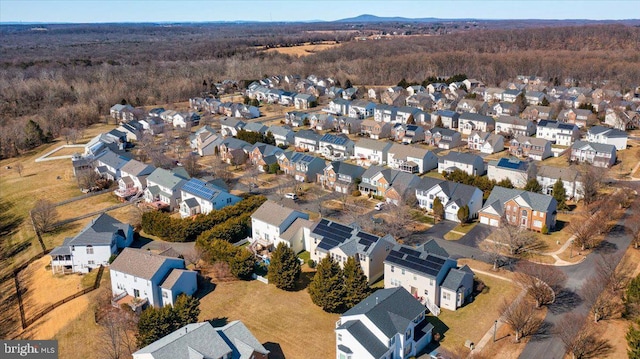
(284, 269)
(506, 183)
(242, 264)
(633, 340)
(326, 288)
(356, 285)
(463, 214)
(34, 136)
(187, 310)
(438, 209)
(560, 194)
(155, 323)
(533, 186)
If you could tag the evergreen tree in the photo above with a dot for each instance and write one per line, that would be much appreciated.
(34, 136)
(438, 209)
(356, 285)
(187, 310)
(284, 269)
(403, 83)
(533, 186)
(544, 101)
(560, 194)
(326, 288)
(633, 340)
(242, 264)
(506, 183)
(347, 84)
(155, 323)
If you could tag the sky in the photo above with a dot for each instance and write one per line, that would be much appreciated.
(96, 11)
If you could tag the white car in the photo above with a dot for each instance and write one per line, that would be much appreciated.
(290, 195)
(379, 206)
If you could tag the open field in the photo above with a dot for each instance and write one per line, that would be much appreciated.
(304, 50)
(288, 319)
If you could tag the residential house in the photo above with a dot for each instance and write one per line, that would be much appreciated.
(101, 142)
(340, 242)
(409, 115)
(152, 125)
(514, 126)
(336, 146)
(430, 275)
(348, 125)
(117, 111)
(503, 109)
(296, 118)
(361, 109)
(368, 152)
(262, 155)
(535, 97)
(492, 94)
(513, 169)
(303, 167)
(163, 187)
(578, 117)
(469, 122)
(560, 133)
(390, 323)
(338, 107)
(133, 178)
(597, 154)
(334, 92)
(385, 113)
(547, 177)
(271, 221)
(322, 121)
(537, 113)
(283, 135)
(485, 142)
(415, 89)
(406, 133)
(200, 197)
(411, 159)
(448, 118)
(350, 93)
(207, 144)
(140, 277)
(376, 130)
(436, 87)
(466, 162)
(622, 119)
(444, 138)
(391, 97)
(229, 126)
(132, 130)
(472, 106)
(452, 195)
(256, 127)
(203, 340)
(108, 164)
(609, 136)
(303, 101)
(511, 95)
(340, 177)
(92, 247)
(201, 134)
(234, 151)
(531, 147)
(307, 140)
(392, 185)
(185, 119)
(420, 101)
(529, 210)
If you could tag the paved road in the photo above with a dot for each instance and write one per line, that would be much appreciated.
(546, 345)
(476, 235)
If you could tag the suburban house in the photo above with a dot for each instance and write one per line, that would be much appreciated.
(469, 122)
(361, 109)
(307, 140)
(108, 164)
(163, 187)
(411, 159)
(273, 223)
(92, 247)
(340, 177)
(535, 97)
(336, 146)
(515, 126)
(132, 130)
(322, 121)
(230, 126)
(420, 100)
(393, 185)
(368, 152)
(256, 127)
(622, 119)
(389, 323)
(133, 178)
(200, 197)
(429, 275)
(233, 151)
(409, 115)
(333, 239)
(547, 177)
(608, 136)
(531, 147)
(283, 135)
(139, 277)
(510, 95)
(303, 101)
(296, 118)
(492, 94)
(338, 106)
(185, 119)
(406, 133)
(376, 130)
(350, 93)
(453, 196)
(448, 118)
(579, 117)
(263, 155)
(473, 106)
(537, 113)
(303, 167)
(513, 169)
(117, 111)
(203, 340)
(529, 210)
(348, 125)
(200, 135)
(560, 133)
(444, 138)
(485, 142)
(466, 162)
(598, 154)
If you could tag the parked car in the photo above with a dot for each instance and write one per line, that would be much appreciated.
(379, 206)
(290, 195)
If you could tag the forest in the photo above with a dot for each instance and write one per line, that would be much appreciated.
(68, 76)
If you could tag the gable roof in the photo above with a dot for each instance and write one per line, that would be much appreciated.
(510, 164)
(460, 157)
(339, 140)
(99, 231)
(140, 263)
(205, 190)
(476, 117)
(534, 141)
(418, 260)
(373, 144)
(347, 169)
(137, 168)
(166, 178)
(333, 234)
(173, 278)
(607, 132)
(454, 278)
(365, 337)
(458, 193)
(274, 213)
(407, 151)
(558, 125)
(308, 135)
(536, 201)
(597, 147)
(567, 174)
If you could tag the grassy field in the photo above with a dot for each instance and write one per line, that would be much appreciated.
(303, 50)
(288, 319)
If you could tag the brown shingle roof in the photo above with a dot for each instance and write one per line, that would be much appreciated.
(139, 263)
(295, 227)
(272, 212)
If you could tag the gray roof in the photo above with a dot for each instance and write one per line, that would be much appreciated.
(391, 310)
(458, 193)
(137, 168)
(443, 131)
(63, 249)
(347, 169)
(476, 117)
(255, 127)
(567, 174)
(460, 157)
(607, 132)
(403, 151)
(372, 171)
(431, 246)
(598, 147)
(274, 213)
(283, 131)
(365, 337)
(537, 202)
(199, 340)
(535, 141)
(374, 144)
(556, 124)
(140, 263)
(454, 278)
(166, 178)
(173, 278)
(191, 202)
(512, 120)
(308, 135)
(424, 260)
(99, 231)
(241, 339)
(112, 159)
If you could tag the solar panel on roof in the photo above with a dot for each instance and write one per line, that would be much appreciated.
(409, 251)
(365, 235)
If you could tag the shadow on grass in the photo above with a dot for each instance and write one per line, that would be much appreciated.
(205, 286)
(560, 225)
(439, 328)
(275, 351)
(303, 281)
(219, 321)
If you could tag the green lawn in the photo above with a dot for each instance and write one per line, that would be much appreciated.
(434, 174)
(305, 256)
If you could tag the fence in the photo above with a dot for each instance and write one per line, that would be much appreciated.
(260, 278)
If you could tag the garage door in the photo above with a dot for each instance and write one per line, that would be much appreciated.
(451, 216)
(484, 220)
(494, 222)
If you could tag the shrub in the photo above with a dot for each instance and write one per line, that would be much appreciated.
(311, 263)
(356, 193)
(545, 230)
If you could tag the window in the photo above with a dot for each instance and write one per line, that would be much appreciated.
(89, 250)
(426, 292)
(339, 337)
(135, 279)
(402, 271)
(91, 263)
(164, 294)
(393, 269)
(446, 295)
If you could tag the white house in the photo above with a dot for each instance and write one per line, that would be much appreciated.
(283, 135)
(164, 186)
(532, 147)
(390, 323)
(515, 126)
(448, 118)
(563, 134)
(141, 277)
(547, 177)
(133, 178)
(368, 152)
(336, 146)
(485, 142)
(92, 247)
(411, 159)
(598, 154)
(108, 164)
(469, 122)
(513, 169)
(230, 126)
(467, 162)
(199, 197)
(307, 140)
(608, 136)
(452, 195)
(361, 109)
(273, 221)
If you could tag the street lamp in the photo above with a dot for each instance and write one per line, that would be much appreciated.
(495, 329)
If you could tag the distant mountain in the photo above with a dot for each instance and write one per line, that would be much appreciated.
(374, 18)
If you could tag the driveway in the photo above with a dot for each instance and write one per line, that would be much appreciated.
(546, 345)
(476, 235)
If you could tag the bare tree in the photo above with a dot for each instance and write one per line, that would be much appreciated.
(19, 167)
(44, 214)
(88, 179)
(398, 221)
(252, 173)
(542, 282)
(117, 339)
(520, 316)
(494, 251)
(584, 230)
(194, 255)
(221, 171)
(580, 338)
(613, 272)
(592, 179)
(518, 240)
(603, 303)
(190, 164)
(632, 225)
